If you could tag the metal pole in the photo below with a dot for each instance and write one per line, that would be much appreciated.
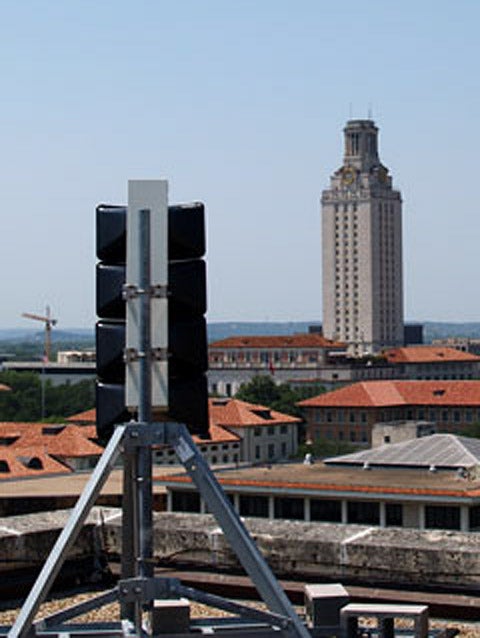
(144, 478)
(42, 389)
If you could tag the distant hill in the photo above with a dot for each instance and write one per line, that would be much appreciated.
(431, 329)
(224, 329)
(442, 330)
(28, 335)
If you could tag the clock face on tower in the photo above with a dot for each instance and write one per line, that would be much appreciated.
(349, 175)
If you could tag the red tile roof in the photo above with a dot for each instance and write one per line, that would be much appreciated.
(89, 416)
(14, 463)
(72, 442)
(218, 434)
(468, 492)
(58, 440)
(427, 354)
(371, 394)
(313, 340)
(225, 413)
(240, 414)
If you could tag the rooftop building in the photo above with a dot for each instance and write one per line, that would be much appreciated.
(428, 483)
(349, 413)
(287, 358)
(39, 449)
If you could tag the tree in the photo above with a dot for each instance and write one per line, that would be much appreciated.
(323, 448)
(24, 400)
(472, 430)
(282, 398)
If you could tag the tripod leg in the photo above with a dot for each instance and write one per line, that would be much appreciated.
(23, 624)
(241, 542)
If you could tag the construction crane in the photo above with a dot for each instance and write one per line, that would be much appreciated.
(49, 323)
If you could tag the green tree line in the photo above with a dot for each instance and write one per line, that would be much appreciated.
(282, 397)
(26, 397)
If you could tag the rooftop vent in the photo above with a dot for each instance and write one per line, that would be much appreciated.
(52, 430)
(8, 440)
(439, 393)
(32, 462)
(220, 401)
(264, 414)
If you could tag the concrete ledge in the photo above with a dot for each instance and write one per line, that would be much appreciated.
(293, 549)
(322, 551)
(26, 541)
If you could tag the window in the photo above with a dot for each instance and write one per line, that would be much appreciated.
(257, 452)
(442, 517)
(474, 518)
(284, 428)
(271, 451)
(253, 505)
(325, 510)
(363, 513)
(283, 448)
(34, 463)
(185, 501)
(393, 515)
(271, 430)
(289, 508)
(257, 432)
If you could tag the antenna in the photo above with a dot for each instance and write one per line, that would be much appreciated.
(350, 109)
(370, 116)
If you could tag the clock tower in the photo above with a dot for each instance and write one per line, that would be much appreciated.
(362, 248)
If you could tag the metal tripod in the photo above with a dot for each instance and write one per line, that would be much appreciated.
(138, 588)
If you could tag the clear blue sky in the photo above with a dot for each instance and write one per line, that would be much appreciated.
(240, 105)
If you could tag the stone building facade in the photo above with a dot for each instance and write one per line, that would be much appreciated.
(362, 248)
(299, 357)
(242, 432)
(349, 413)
